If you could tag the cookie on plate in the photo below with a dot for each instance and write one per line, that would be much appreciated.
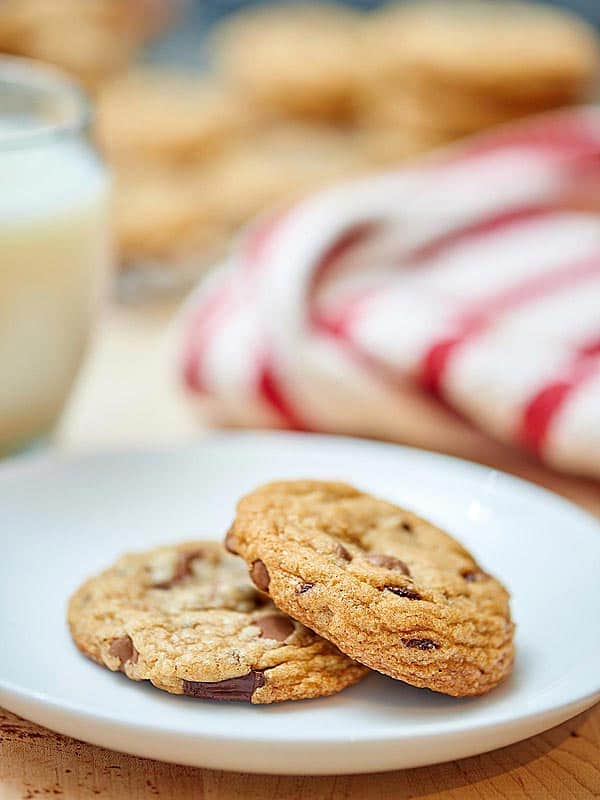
(186, 618)
(389, 589)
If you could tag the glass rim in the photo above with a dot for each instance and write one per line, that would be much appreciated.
(31, 74)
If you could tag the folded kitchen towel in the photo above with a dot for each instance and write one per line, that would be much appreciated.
(474, 275)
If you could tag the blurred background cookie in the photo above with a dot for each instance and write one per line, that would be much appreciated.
(385, 145)
(432, 108)
(163, 213)
(298, 60)
(167, 114)
(281, 163)
(444, 70)
(90, 39)
(280, 98)
(510, 49)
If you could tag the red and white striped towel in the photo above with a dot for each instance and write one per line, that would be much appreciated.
(467, 275)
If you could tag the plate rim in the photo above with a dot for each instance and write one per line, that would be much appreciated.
(40, 699)
(28, 461)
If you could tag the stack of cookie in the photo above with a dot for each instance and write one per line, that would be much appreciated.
(163, 132)
(340, 583)
(298, 96)
(195, 158)
(439, 70)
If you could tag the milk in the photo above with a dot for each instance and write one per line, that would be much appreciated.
(54, 255)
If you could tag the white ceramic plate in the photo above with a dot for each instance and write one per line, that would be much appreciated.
(61, 520)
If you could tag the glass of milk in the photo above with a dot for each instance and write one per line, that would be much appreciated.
(54, 245)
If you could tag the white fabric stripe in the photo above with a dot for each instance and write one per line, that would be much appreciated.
(574, 439)
(399, 326)
(492, 379)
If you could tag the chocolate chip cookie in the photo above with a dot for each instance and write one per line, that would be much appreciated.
(391, 590)
(186, 618)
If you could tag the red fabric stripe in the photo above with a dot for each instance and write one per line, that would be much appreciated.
(200, 331)
(435, 362)
(481, 227)
(539, 413)
(591, 348)
(272, 392)
(345, 242)
(476, 319)
(343, 318)
(543, 408)
(330, 258)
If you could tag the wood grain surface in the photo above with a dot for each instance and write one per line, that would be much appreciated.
(123, 398)
(561, 763)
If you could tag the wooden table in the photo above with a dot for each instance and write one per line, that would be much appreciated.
(123, 397)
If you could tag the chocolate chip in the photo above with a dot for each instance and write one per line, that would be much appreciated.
(421, 644)
(275, 627)
(183, 569)
(474, 575)
(241, 688)
(260, 599)
(303, 587)
(260, 575)
(407, 527)
(387, 562)
(230, 542)
(404, 591)
(124, 650)
(341, 552)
